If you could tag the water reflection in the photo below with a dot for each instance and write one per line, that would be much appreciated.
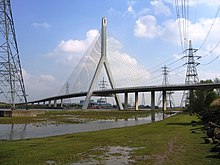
(152, 117)
(14, 132)
(26, 131)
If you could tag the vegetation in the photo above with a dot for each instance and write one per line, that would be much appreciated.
(75, 116)
(171, 141)
(201, 104)
(166, 142)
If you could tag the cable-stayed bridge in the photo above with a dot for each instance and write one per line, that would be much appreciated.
(103, 60)
(83, 82)
(126, 90)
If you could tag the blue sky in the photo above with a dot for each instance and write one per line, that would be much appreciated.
(52, 35)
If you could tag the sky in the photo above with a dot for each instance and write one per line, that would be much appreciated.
(53, 35)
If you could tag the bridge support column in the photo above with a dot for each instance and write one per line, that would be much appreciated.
(55, 103)
(190, 97)
(49, 103)
(136, 101)
(61, 103)
(164, 100)
(152, 100)
(126, 101)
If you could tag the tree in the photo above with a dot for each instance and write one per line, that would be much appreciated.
(202, 99)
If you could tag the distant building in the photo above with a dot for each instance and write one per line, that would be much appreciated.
(81, 102)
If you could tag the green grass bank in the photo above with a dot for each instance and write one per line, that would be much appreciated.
(166, 142)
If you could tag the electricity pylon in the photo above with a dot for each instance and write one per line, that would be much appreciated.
(103, 86)
(191, 73)
(143, 99)
(170, 100)
(67, 101)
(11, 80)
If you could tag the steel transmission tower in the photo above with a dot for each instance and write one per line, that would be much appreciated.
(170, 100)
(143, 99)
(11, 80)
(67, 101)
(191, 72)
(103, 86)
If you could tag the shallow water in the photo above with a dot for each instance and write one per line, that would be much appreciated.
(111, 155)
(44, 129)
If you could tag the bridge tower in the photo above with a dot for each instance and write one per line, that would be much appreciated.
(170, 100)
(11, 80)
(191, 73)
(103, 61)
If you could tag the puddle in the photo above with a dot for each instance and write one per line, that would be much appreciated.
(51, 162)
(110, 155)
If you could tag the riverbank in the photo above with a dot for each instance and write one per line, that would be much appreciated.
(103, 120)
(77, 116)
(166, 142)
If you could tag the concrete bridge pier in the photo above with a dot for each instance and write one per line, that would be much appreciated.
(49, 103)
(61, 103)
(164, 100)
(152, 100)
(190, 96)
(136, 101)
(55, 103)
(126, 101)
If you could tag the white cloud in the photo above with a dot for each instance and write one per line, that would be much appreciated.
(130, 9)
(72, 46)
(160, 8)
(68, 52)
(46, 77)
(126, 69)
(142, 12)
(25, 74)
(40, 86)
(43, 25)
(169, 31)
(197, 32)
(146, 26)
(77, 46)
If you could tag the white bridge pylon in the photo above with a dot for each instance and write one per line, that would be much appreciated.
(103, 61)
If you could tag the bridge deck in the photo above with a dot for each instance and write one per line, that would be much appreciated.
(110, 92)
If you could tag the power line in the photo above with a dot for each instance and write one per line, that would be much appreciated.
(211, 51)
(210, 28)
(210, 61)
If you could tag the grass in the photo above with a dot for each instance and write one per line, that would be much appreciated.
(166, 142)
(75, 116)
